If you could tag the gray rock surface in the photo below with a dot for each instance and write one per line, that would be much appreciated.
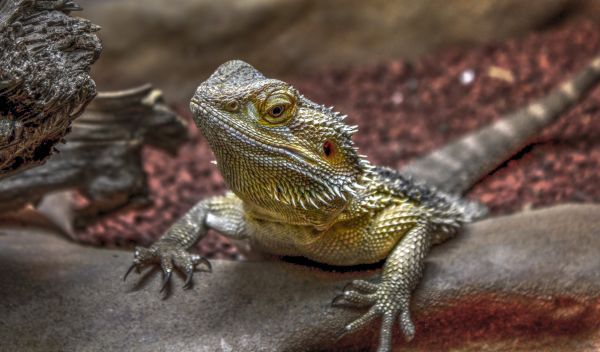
(176, 44)
(522, 282)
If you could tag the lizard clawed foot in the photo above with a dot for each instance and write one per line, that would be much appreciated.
(386, 300)
(169, 256)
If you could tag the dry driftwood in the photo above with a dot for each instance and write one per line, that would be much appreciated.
(102, 155)
(45, 59)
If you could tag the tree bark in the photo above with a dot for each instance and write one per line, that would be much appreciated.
(45, 60)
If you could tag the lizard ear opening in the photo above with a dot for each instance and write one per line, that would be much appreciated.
(328, 149)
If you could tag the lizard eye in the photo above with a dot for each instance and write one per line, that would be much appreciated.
(277, 108)
(232, 106)
(277, 111)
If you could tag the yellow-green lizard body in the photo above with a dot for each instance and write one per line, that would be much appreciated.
(299, 187)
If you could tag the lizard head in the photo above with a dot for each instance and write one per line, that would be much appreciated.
(286, 157)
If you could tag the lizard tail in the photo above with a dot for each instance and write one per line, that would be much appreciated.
(456, 167)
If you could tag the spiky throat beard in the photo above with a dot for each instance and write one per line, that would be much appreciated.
(276, 185)
(275, 182)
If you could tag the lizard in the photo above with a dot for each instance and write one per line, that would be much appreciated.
(298, 187)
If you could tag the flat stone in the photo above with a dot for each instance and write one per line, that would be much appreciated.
(521, 282)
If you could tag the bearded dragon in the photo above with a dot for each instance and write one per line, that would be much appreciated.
(300, 188)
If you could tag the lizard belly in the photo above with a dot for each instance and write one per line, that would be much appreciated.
(358, 241)
(274, 237)
(352, 244)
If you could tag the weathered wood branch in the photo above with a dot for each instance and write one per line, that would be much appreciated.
(102, 155)
(45, 60)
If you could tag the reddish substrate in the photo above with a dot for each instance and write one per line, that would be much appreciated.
(405, 110)
(492, 322)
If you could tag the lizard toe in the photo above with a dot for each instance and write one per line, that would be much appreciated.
(360, 322)
(406, 324)
(354, 299)
(389, 302)
(361, 286)
(170, 257)
(187, 263)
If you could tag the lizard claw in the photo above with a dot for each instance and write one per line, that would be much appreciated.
(166, 278)
(134, 265)
(170, 256)
(342, 333)
(338, 301)
(196, 259)
(188, 278)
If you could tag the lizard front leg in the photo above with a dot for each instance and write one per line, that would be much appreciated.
(390, 298)
(223, 214)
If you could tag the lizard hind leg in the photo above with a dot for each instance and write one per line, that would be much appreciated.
(390, 298)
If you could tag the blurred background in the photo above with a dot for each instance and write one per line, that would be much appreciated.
(177, 43)
(412, 74)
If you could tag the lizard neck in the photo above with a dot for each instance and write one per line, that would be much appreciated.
(365, 201)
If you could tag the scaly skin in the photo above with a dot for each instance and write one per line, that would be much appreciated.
(300, 188)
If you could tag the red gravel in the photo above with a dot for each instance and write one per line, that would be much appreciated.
(405, 110)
